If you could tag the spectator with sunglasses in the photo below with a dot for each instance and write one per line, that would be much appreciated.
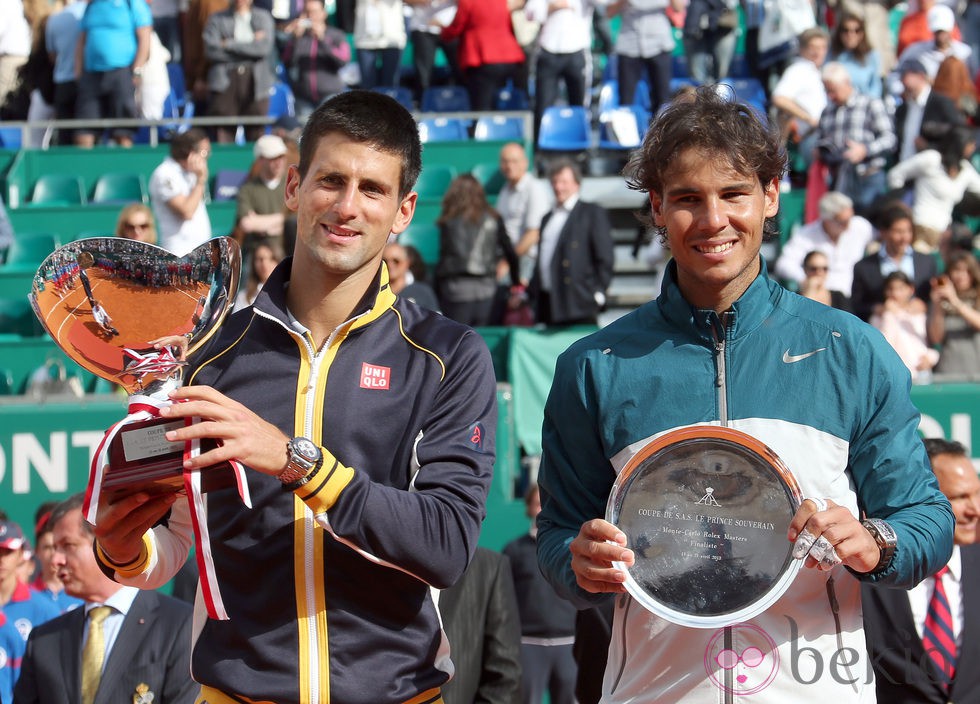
(840, 235)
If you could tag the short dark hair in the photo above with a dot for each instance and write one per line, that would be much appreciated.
(182, 145)
(707, 121)
(372, 118)
(893, 212)
(940, 446)
(558, 165)
(75, 501)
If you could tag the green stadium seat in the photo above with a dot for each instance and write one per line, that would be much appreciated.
(6, 382)
(58, 189)
(30, 249)
(434, 180)
(425, 238)
(120, 187)
(17, 317)
(488, 174)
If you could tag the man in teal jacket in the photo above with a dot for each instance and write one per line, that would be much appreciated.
(725, 345)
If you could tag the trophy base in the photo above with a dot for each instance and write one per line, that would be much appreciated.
(142, 459)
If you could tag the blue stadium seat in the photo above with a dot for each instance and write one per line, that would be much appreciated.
(445, 99)
(178, 85)
(608, 139)
(511, 98)
(442, 129)
(748, 91)
(10, 138)
(227, 182)
(497, 127)
(608, 95)
(281, 101)
(400, 93)
(565, 128)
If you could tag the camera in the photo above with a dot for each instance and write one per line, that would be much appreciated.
(305, 23)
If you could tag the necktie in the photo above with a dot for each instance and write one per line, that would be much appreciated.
(93, 654)
(937, 633)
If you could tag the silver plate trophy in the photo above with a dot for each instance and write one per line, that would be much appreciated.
(706, 510)
(104, 301)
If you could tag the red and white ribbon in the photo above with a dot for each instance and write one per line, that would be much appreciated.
(143, 407)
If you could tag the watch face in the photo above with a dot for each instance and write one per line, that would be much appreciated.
(305, 448)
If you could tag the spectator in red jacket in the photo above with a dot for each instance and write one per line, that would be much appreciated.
(488, 52)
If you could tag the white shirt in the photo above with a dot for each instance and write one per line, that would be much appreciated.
(913, 124)
(15, 33)
(177, 235)
(920, 594)
(121, 602)
(930, 56)
(801, 83)
(563, 31)
(433, 17)
(549, 238)
(522, 207)
(841, 256)
(935, 193)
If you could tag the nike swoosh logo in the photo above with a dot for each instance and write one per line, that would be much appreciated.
(790, 358)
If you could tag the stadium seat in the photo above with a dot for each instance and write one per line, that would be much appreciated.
(565, 128)
(58, 189)
(227, 182)
(120, 187)
(281, 101)
(17, 317)
(608, 96)
(497, 127)
(29, 249)
(488, 174)
(510, 98)
(623, 128)
(434, 180)
(400, 93)
(178, 86)
(425, 238)
(6, 382)
(10, 138)
(445, 99)
(442, 129)
(748, 91)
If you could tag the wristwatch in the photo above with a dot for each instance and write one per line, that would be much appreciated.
(886, 539)
(304, 456)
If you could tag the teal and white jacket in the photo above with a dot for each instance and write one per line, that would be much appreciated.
(822, 389)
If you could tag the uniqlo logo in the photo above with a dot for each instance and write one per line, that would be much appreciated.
(375, 377)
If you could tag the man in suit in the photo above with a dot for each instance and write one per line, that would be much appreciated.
(575, 255)
(481, 619)
(896, 231)
(894, 620)
(924, 116)
(147, 636)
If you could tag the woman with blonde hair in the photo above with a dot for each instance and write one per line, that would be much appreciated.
(135, 222)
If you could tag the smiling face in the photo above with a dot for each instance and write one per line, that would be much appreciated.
(714, 218)
(958, 481)
(346, 207)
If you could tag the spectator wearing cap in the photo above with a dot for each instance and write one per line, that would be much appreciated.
(22, 607)
(924, 116)
(260, 213)
(932, 52)
(914, 26)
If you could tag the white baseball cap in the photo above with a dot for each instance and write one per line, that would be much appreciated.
(941, 19)
(269, 146)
